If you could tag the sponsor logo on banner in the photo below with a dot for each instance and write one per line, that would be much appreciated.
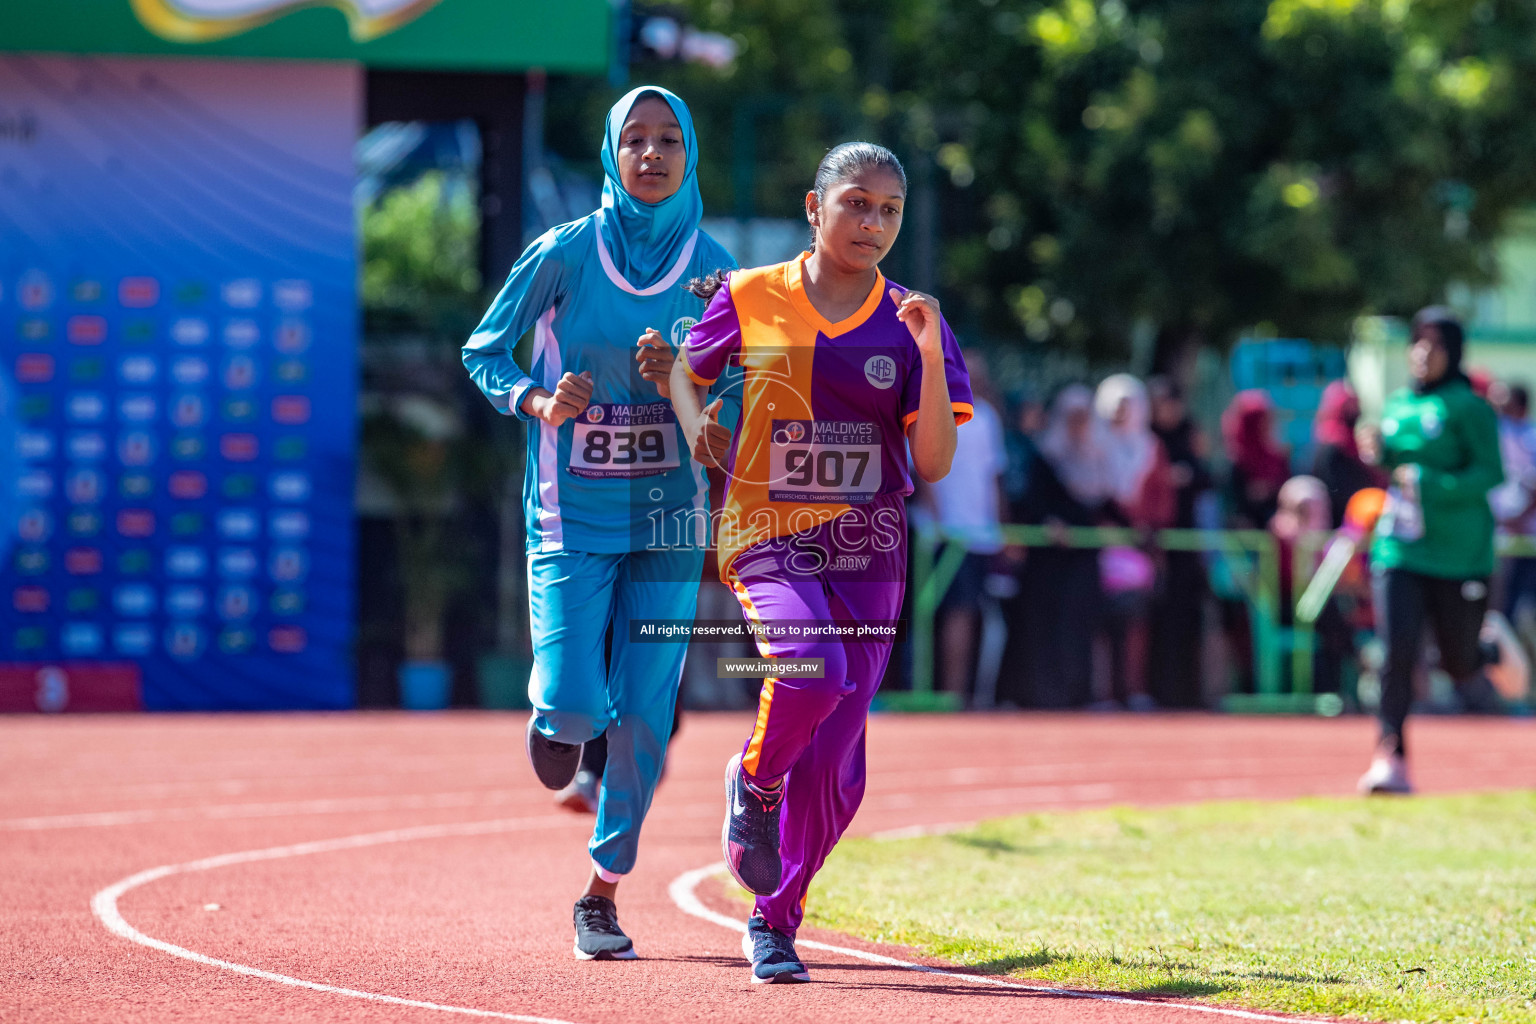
(237, 563)
(34, 368)
(185, 601)
(30, 600)
(138, 369)
(292, 296)
(136, 485)
(183, 640)
(85, 369)
(37, 484)
(35, 444)
(292, 337)
(86, 291)
(288, 639)
(86, 407)
(34, 526)
(134, 600)
(186, 562)
(34, 291)
(82, 561)
(188, 411)
(134, 640)
(244, 293)
(290, 486)
(241, 334)
(190, 331)
(290, 524)
(136, 522)
(190, 370)
(81, 639)
(86, 330)
(198, 21)
(136, 448)
(239, 524)
(137, 408)
(239, 447)
(187, 484)
(235, 603)
(138, 292)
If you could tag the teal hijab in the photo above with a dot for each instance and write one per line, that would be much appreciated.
(646, 239)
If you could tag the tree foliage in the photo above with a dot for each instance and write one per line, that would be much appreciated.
(1198, 167)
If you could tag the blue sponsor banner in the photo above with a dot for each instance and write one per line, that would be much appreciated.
(178, 324)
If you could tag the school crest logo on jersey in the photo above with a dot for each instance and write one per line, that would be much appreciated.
(880, 371)
(680, 330)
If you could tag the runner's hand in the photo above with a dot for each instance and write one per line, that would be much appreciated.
(570, 398)
(656, 357)
(921, 315)
(707, 439)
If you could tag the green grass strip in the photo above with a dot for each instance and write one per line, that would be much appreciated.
(1419, 909)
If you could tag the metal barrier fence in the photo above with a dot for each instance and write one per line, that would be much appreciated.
(1251, 558)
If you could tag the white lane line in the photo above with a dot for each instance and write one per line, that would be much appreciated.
(684, 893)
(338, 805)
(104, 903)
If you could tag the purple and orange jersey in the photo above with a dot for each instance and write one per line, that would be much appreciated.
(825, 406)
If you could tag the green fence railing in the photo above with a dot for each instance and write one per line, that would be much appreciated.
(1251, 559)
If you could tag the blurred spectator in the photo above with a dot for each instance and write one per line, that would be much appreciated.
(1178, 606)
(967, 505)
(1259, 465)
(1514, 501)
(1142, 487)
(1336, 458)
(1025, 425)
(1304, 509)
(1025, 421)
(1059, 586)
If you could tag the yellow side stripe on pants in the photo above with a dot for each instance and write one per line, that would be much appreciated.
(751, 759)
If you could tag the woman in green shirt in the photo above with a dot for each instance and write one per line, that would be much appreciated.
(1433, 551)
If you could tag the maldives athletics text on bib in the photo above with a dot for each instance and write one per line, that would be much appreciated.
(627, 441)
(825, 462)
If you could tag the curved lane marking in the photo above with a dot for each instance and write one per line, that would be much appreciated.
(684, 893)
(104, 903)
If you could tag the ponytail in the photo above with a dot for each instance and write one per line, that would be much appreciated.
(707, 286)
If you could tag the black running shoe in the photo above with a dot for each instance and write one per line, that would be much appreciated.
(772, 955)
(598, 935)
(750, 838)
(555, 763)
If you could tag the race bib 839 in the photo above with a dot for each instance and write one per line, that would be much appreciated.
(625, 441)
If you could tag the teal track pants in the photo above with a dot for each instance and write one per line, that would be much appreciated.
(577, 693)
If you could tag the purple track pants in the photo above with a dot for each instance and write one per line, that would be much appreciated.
(812, 730)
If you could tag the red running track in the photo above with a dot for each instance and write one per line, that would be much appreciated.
(414, 859)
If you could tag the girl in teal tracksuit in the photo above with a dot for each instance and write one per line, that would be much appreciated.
(616, 510)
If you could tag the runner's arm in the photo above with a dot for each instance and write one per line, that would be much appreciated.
(533, 288)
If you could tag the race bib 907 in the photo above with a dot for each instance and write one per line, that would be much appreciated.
(825, 461)
(625, 441)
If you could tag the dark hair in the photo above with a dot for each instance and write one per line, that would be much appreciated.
(1171, 389)
(1520, 396)
(1451, 334)
(841, 163)
(705, 287)
(848, 159)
